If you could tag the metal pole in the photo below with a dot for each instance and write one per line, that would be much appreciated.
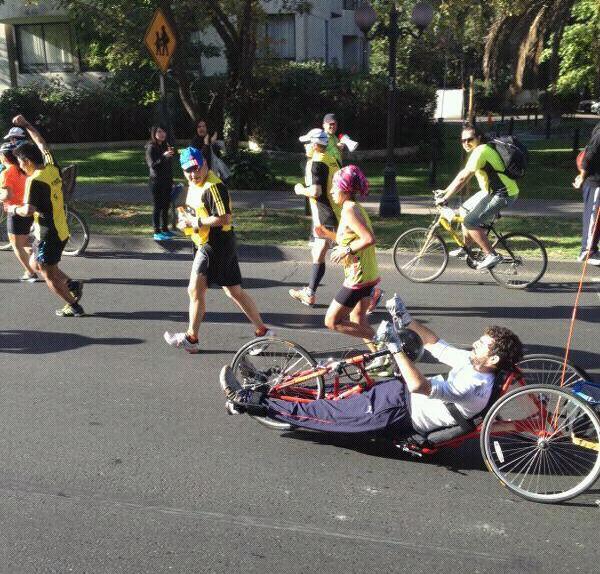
(389, 205)
(164, 109)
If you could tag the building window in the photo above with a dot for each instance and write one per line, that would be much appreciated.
(279, 40)
(45, 47)
(350, 4)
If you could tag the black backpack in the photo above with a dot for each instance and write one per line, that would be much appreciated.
(513, 154)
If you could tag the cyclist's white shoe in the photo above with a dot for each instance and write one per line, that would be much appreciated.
(490, 260)
(181, 340)
(459, 253)
(397, 309)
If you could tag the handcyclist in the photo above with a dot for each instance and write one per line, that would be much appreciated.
(404, 405)
(498, 192)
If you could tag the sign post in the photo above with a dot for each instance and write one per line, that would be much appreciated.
(161, 41)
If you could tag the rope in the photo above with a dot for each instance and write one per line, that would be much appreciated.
(574, 315)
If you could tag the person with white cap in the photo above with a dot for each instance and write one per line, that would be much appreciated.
(325, 213)
(15, 135)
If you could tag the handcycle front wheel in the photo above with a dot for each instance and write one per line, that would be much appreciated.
(542, 443)
(4, 242)
(420, 255)
(524, 260)
(79, 233)
(546, 369)
(267, 363)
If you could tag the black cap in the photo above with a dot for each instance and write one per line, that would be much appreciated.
(329, 118)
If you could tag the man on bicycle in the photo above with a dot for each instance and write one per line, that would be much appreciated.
(498, 192)
(405, 405)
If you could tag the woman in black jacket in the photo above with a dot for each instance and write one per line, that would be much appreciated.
(158, 158)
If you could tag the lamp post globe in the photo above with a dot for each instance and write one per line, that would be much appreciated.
(422, 15)
(365, 17)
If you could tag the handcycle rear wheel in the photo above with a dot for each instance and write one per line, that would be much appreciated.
(524, 260)
(264, 363)
(542, 443)
(420, 255)
(79, 233)
(546, 369)
(4, 242)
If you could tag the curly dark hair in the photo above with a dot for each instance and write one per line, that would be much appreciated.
(506, 345)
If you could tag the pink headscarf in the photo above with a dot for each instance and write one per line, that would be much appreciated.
(351, 179)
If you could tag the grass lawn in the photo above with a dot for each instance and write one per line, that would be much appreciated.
(549, 175)
(291, 227)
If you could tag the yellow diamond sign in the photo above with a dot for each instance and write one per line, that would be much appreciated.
(160, 40)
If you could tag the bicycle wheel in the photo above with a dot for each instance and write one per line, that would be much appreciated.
(4, 242)
(420, 255)
(542, 443)
(524, 260)
(267, 363)
(80, 234)
(545, 369)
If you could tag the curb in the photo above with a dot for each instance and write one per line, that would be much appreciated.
(252, 253)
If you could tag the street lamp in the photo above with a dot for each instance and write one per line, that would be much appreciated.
(365, 17)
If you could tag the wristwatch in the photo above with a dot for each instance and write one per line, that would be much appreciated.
(348, 250)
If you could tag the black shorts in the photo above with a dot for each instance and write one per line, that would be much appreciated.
(350, 297)
(325, 216)
(17, 225)
(48, 251)
(220, 267)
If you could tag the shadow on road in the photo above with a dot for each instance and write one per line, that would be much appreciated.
(43, 342)
(248, 283)
(463, 458)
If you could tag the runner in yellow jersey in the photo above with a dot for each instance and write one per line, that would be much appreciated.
(355, 250)
(207, 219)
(324, 211)
(43, 199)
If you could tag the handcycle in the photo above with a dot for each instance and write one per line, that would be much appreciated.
(78, 227)
(421, 254)
(541, 440)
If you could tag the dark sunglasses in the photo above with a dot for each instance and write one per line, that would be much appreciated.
(466, 140)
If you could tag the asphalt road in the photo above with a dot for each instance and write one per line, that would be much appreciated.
(118, 457)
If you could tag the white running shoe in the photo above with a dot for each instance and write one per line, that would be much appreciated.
(459, 253)
(490, 260)
(260, 348)
(181, 340)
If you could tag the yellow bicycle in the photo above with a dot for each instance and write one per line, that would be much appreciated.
(421, 254)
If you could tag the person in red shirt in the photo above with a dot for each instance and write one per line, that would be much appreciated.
(12, 188)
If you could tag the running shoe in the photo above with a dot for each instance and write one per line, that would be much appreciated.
(594, 259)
(75, 289)
(74, 310)
(303, 295)
(459, 253)
(180, 340)
(582, 256)
(29, 278)
(161, 237)
(376, 296)
(490, 260)
(260, 348)
(167, 233)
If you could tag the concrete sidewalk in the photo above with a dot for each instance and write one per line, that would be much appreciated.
(245, 199)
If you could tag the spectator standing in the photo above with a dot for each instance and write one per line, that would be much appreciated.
(159, 155)
(211, 148)
(588, 180)
(334, 148)
(12, 184)
(207, 218)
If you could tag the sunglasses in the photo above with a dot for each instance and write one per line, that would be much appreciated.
(467, 140)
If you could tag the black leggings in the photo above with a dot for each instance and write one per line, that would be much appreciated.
(161, 196)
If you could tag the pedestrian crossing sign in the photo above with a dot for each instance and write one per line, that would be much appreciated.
(160, 40)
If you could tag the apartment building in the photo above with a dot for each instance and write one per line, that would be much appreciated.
(37, 41)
